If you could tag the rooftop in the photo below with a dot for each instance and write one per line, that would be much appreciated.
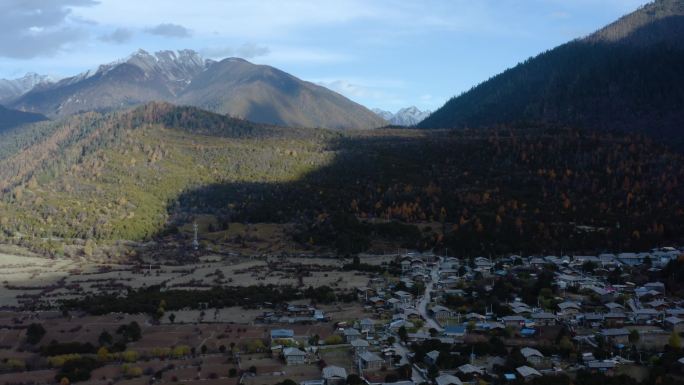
(526, 371)
(334, 371)
(448, 379)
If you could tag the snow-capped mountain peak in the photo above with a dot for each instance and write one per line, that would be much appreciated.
(12, 88)
(408, 116)
(177, 67)
(174, 65)
(383, 114)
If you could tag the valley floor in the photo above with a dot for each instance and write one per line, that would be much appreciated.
(41, 283)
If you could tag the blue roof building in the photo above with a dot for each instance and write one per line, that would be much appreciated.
(455, 330)
(281, 334)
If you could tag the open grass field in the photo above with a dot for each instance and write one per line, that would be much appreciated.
(296, 373)
(341, 357)
(32, 282)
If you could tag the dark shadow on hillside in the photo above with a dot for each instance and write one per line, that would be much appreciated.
(485, 190)
(11, 119)
(627, 78)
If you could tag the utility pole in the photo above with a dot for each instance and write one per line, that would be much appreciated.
(195, 242)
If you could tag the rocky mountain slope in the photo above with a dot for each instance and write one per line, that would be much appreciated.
(407, 117)
(13, 88)
(267, 95)
(232, 86)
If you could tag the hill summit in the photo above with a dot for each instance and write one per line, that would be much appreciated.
(233, 86)
(627, 76)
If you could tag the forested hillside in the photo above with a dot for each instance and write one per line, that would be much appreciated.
(112, 176)
(627, 76)
(145, 173)
(530, 189)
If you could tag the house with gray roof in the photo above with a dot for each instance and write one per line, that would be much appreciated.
(371, 361)
(334, 375)
(620, 336)
(533, 356)
(294, 356)
(470, 369)
(448, 379)
(544, 318)
(675, 324)
(515, 321)
(360, 346)
(527, 372)
(441, 312)
(351, 334)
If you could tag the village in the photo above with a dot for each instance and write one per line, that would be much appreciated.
(409, 319)
(581, 321)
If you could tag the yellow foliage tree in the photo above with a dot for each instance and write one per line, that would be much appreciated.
(103, 354)
(180, 351)
(129, 356)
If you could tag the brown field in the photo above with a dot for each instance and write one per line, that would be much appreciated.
(341, 357)
(30, 281)
(221, 381)
(263, 363)
(106, 372)
(10, 338)
(36, 376)
(144, 380)
(345, 312)
(213, 335)
(323, 330)
(296, 373)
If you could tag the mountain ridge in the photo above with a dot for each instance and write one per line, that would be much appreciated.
(407, 116)
(626, 76)
(265, 94)
(231, 86)
(622, 28)
(13, 88)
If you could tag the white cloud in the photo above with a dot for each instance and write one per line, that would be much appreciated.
(169, 30)
(245, 51)
(238, 18)
(33, 28)
(344, 44)
(275, 19)
(353, 90)
(365, 90)
(118, 36)
(251, 50)
(291, 54)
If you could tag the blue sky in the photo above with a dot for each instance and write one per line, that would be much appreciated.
(380, 53)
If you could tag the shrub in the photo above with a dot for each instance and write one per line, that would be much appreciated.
(334, 340)
(34, 333)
